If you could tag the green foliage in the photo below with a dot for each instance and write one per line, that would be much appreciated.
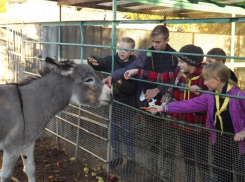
(202, 28)
(138, 16)
(2, 6)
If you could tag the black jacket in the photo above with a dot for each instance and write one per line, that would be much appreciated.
(124, 92)
(161, 62)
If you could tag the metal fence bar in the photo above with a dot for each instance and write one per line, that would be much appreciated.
(82, 40)
(73, 143)
(100, 117)
(78, 132)
(32, 74)
(87, 131)
(140, 50)
(168, 21)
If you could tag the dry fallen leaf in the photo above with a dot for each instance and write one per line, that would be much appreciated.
(58, 164)
(73, 159)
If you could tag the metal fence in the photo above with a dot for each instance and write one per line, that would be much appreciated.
(143, 147)
(156, 149)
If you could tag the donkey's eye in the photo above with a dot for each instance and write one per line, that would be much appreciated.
(89, 80)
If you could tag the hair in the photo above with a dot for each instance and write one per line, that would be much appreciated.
(217, 70)
(160, 30)
(189, 59)
(217, 51)
(47, 70)
(129, 40)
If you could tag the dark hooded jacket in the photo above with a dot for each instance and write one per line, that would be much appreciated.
(162, 62)
(124, 92)
(158, 62)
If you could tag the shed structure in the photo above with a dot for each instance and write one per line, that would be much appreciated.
(87, 131)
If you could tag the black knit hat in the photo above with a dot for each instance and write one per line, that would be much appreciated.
(191, 60)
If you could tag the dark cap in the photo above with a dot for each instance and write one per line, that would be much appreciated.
(189, 59)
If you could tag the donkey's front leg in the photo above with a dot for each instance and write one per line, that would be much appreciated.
(9, 161)
(28, 161)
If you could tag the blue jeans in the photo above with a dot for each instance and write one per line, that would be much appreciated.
(126, 135)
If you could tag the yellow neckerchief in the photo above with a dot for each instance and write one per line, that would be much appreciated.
(224, 106)
(189, 84)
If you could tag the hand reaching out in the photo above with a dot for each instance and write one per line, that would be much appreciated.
(107, 80)
(155, 109)
(93, 61)
(130, 73)
(151, 93)
(239, 136)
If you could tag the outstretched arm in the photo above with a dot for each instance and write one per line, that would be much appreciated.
(100, 64)
(92, 61)
(197, 104)
(166, 77)
(128, 74)
(139, 62)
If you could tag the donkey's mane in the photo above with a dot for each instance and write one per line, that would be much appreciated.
(47, 70)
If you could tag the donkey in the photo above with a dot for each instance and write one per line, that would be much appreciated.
(27, 107)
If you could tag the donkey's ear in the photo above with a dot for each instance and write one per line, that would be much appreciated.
(68, 70)
(67, 67)
(63, 67)
(51, 63)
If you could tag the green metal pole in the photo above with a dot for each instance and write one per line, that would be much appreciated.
(113, 52)
(140, 50)
(233, 34)
(82, 40)
(59, 46)
(114, 33)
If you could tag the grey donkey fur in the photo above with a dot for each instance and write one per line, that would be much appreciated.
(27, 108)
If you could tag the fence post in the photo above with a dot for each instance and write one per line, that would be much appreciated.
(82, 40)
(78, 132)
(114, 37)
(233, 33)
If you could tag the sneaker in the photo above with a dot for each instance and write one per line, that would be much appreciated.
(129, 168)
(114, 163)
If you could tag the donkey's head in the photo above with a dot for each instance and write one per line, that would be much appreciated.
(87, 89)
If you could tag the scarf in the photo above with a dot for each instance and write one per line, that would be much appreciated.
(189, 84)
(223, 107)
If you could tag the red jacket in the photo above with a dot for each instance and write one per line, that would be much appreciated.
(178, 94)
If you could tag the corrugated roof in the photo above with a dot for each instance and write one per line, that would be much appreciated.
(229, 2)
(239, 3)
(178, 8)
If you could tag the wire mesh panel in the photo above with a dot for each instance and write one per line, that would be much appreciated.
(147, 147)
(82, 127)
(171, 150)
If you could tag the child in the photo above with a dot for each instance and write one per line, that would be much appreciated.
(188, 75)
(224, 114)
(221, 52)
(159, 62)
(123, 91)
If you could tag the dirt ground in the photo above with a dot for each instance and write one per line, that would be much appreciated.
(53, 165)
